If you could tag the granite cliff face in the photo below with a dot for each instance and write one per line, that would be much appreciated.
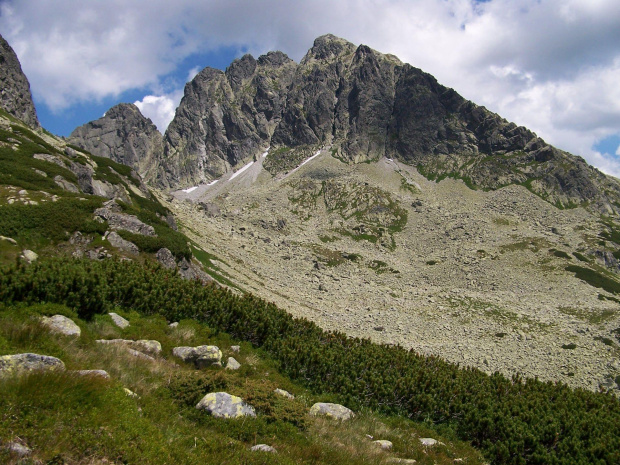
(365, 105)
(124, 135)
(15, 96)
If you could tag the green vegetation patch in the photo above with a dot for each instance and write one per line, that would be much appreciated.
(595, 279)
(581, 257)
(560, 254)
(285, 159)
(51, 221)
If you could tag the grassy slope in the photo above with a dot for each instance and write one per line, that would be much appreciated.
(70, 419)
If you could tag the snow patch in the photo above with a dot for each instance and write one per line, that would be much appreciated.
(212, 182)
(237, 173)
(311, 158)
(190, 189)
(267, 151)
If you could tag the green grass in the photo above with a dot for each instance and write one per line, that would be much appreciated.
(581, 257)
(560, 254)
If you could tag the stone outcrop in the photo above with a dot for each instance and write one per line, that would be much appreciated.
(232, 364)
(224, 405)
(124, 135)
(123, 221)
(263, 448)
(63, 325)
(117, 241)
(15, 96)
(329, 410)
(25, 363)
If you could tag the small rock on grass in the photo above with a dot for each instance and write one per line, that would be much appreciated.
(119, 320)
(18, 449)
(232, 364)
(263, 448)
(95, 373)
(384, 444)
(235, 349)
(28, 362)
(335, 411)
(283, 393)
(62, 325)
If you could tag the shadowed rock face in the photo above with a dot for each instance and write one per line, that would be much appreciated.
(15, 96)
(124, 135)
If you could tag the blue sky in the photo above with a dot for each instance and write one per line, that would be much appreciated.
(550, 65)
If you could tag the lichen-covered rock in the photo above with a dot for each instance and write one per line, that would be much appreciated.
(335, 411)
(224, 405)
(201, 356)
(283, 393)
(145, 346)
(429, 442)
(61, 324)
(263, 448)
(119, 320)
(18, 449)
(28, 362)
(232, 364)
(235, 349)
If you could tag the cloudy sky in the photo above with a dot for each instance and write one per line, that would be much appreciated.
(550, 65)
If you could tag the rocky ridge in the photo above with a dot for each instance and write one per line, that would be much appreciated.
(124, 135)
(15, 96)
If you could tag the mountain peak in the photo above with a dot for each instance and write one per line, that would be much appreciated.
(328, 47)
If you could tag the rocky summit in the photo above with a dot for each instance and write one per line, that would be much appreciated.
(15, 96)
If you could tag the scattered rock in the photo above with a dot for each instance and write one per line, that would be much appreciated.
(96, 373)
(384, 444)
(144, 346)
(25, 363)
(398, 460)
(201, 356)
(63, 325)
(429, 442)
(142, 355)
(29, 256)
(189, 270)
(117, 241)
(263, 448)
(18, 449)
(119, 320)
(283, 393)
(235, 349)
(9, 239)
(224, 405)
(174, 324)
(131, 394)
(335, 411)
(232, 364)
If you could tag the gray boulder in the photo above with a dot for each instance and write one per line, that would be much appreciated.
(283, 393)
(166, 259)
(119, 320)
(61, 324)
(15, 96)
(29, 256)
(334, 411)
(224, 405)
(28, 362)
(383, 444)
(124, 222)
(66, 185)
(18, 449)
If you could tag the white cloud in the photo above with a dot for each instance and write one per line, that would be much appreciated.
(549, 65)
(159, 108)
